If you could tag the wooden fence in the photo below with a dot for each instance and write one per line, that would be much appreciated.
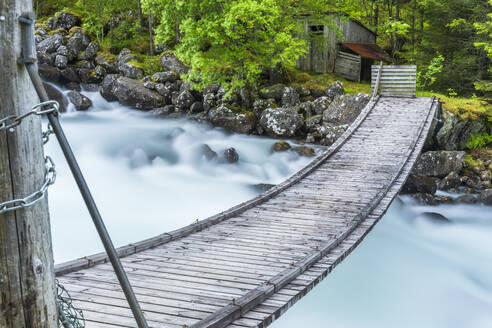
(348, 66)
(399, 81)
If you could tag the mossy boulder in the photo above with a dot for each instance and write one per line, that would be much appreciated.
(233, 119)
(439, 163)
(281, 122)
(280, 146)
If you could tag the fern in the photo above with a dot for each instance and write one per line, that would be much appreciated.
(479, 141)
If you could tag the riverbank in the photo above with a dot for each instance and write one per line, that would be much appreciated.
(294, 107)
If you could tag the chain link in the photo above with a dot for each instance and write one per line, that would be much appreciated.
(12, 121)
(49, 179)
(46, 134)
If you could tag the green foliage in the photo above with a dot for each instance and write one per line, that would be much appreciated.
(427, 76)
(480, 141)
(231, 42)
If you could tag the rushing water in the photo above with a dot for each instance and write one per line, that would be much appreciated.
(148, 176)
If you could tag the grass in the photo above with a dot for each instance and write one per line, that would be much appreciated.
(464, 108)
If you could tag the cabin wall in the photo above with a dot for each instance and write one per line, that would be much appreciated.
(322, 58)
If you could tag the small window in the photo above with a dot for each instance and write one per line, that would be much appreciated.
(317, 29)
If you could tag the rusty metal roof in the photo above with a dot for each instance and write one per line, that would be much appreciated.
(368, 50)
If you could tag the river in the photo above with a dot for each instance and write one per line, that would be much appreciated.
(149, 175)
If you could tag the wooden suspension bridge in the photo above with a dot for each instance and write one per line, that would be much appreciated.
(246, 266)
(240, 268)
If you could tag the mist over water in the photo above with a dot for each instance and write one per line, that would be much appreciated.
(149, 175)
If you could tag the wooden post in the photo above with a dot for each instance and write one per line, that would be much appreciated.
(27, 280)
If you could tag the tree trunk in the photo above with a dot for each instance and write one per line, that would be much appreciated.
(376, 20)
(140, 17)
(151, 36)
(27, 280)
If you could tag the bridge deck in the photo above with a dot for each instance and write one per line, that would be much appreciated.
(245, 267)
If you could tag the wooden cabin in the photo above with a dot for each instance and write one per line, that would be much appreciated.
(350, 57)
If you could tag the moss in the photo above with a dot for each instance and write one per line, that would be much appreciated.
(136, 64)
(57, 31)
(109, 57)
(474, 164)
(44, 26)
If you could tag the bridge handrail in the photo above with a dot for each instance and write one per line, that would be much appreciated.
(394, 80)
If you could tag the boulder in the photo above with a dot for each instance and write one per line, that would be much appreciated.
(197, 107)
(290, 97)
(451, 181)
(319, 105)
(231, 155)
(89, 76)
(130, 71)
(108, 63)
(75, 45)
(486, 197)
(69, 74)
(171, 63)
(49, 73)
(313, 123)
(425, 199)
(280, 146)
(61, 61)
(163, 111)
(305, 151)
(275, 91)
(163, 77)
(80, 101)
(334, 90)
(64, 20)
(50, 44)
(420, 184)
(466, 199)
(439, 163)
(73, 86)
(184, 100)
(207, 152)
(281, 122)
(434, 217)
(55, 94)
(331, 132)
(208, 101)
(455, 134)
(233, 120)
(91, 50)
(130, 92)
(45, 58)
(345, 109)
(259, 105)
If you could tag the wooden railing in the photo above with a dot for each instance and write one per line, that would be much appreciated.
(397, 81)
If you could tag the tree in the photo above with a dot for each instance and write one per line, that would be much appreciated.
(231, 42)
(485, 29)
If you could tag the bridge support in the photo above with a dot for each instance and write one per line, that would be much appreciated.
(27, 280)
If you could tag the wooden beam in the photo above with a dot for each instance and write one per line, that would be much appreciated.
(27, 286)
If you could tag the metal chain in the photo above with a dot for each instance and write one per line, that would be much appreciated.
(68, 315)
(12, 121)
(46, 134)
(49, 179)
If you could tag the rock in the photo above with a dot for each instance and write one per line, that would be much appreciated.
(433, 217)
(197, 107)
(90, 87)
(436, 124)
(335, 89)
(486, 197)
(262, 187)
(281, 122)
(84, 64)
(89, 76)
(455, 134)
(49, 73)
(171, 63)
(280, 146)
(75, 45)
(426, 199)
(130, 92)
(236, 121)
(231, 155)
(73, 86)
(91, 50)
(149, 85)
(443, 200)
(130, 71)
(466, 199)
(107, 63)
(313, 123)
(305, 151)
(185, 100)
(420, 184)
(163, 111)
(213, 88)
(125, 56)
(207, 152)
(61, 61)
(55, 94)
(275, 91)
(45, 58)
(259, 105)
(80, 101)
(321, 104)
(163, 77)
(290, 97)
(439, 163)
(345, 109)
(208, 101)
(63, 50)
(69, 74)
(451, 181)
(64, 20)
(50, 44)
(331, 132)
(306, 109)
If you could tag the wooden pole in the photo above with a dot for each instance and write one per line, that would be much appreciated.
(27, 280)
(151, 36)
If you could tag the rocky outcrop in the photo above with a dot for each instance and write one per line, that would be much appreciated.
(281, 122)
(171, 63)
(455, 134)
(335, 89)
(63, 20)
(233, 120)
(80, 101)
(420, 184)
(439, 163)
(486, 197)
(345, 108)
(130, 92)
